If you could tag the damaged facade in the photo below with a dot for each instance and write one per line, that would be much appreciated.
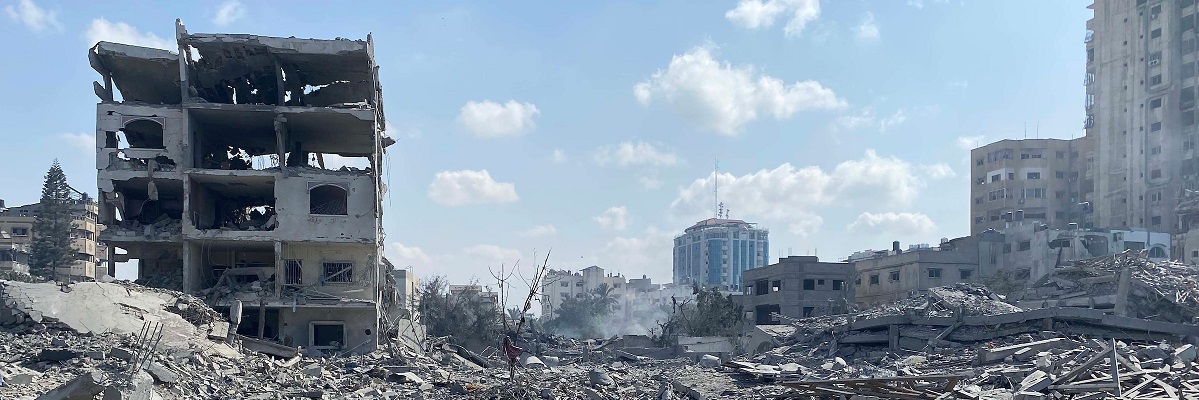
(797, 287)
(213, 176)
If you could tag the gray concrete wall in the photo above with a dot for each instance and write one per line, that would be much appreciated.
(791, 297)
(294, 324)
(913, 268)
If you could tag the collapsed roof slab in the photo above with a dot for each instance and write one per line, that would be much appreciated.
(142, 74)
(319, 61)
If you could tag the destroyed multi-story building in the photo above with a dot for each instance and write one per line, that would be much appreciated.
(715, 251)
(1046, 180)
(17, 235)
(216, 174)
(797, 287)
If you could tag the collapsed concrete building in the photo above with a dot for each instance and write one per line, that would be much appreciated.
(214, 171)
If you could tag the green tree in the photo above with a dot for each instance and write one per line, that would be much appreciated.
(711, 314)
(471, 321)
(52, 229)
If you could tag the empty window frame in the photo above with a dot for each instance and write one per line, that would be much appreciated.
(966, 274)
(327, 335)
(327, 199)
(874, 279)
(338, 271)
(294, 272)
(1033, 175)
(20, 231)
(893, 276)
(1156, 126)
(1155, 80)
(934, 273)
(809, 284)
(838, 284)
(1024, 245)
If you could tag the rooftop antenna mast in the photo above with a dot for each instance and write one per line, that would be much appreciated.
(716, 186)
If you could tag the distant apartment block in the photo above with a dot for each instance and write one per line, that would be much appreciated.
(797, 287)
(1044, 180)
(715, 252)
(17, 234)
(215, 178)
(633, 297)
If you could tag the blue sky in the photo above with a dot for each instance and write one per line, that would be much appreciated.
(591, 127)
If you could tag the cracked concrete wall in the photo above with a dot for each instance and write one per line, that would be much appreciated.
(365, 281)
(111, 118)
(297, 224)
(361, 326)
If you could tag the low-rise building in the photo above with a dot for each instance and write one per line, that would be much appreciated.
(797, 287)
(887, 276)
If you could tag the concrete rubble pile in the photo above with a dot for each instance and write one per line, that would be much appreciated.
(1165, 291)
(962, 341)
(123, 341)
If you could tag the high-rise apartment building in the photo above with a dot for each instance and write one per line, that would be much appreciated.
(715, 251)
(1044, 180)
(1141, 103)
(213, 175)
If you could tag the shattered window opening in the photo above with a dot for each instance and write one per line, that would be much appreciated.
(338, 272)
(328, 335)
(142, 134)
(328, 200)
(294, 272)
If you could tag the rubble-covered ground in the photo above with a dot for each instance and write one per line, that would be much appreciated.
(960, 341)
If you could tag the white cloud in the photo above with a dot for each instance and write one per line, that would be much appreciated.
(892, 224)
(614, 218)
(229, 11)
(649, 182)
(757, 14)
(401, 131)
(867, 30)
(634, 153)
(792, 195)
(559, 156)
(722, 97)
(919, 4)
(81, 141)
(938, 171)
(35, 18)
(969, 142)
(402, 256)
(462, 266)
(466, 187)
(648, 252)
(488, 119)
(851, 122)
(103, 30)
(495, 255)
(894, 120)
(540, 231)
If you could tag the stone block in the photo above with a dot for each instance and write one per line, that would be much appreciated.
(57, 355)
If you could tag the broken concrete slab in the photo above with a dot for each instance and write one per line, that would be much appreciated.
(57, 355)
(83, 387)
(95, 307)
(161, 374)
(997, 354)
(1036, 381)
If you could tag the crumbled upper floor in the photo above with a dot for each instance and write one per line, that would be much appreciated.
(242, 69)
